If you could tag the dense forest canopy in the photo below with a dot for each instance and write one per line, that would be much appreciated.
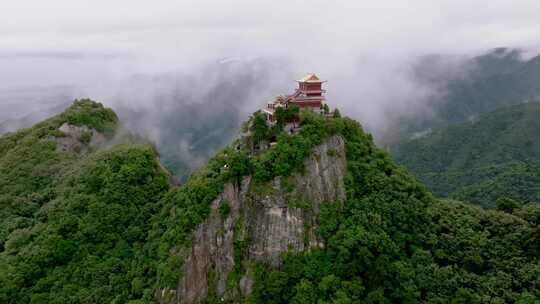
(74, 225)
(102, 226)
(392, 242)
(495, 155)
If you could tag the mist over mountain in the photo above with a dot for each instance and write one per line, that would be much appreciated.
(496, 155)
(189, 117)
(137, 166)
(191, 114)
(132, 56)
(478, 85)
(28, 119)
(21, 107)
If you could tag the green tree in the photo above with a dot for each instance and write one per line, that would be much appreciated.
(288, 114)
(259, 128)
(326, 109)
(506, 204)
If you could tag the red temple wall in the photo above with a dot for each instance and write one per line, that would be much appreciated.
(308, 104)
(313, 86)
(310, 86)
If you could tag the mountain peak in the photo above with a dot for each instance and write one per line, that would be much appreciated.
(92, 114)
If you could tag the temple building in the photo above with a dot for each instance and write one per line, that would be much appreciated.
(308, 95)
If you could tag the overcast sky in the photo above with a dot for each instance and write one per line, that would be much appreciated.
(361, 47)
(263, 27)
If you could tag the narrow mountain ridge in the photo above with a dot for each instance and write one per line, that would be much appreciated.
(74, 212)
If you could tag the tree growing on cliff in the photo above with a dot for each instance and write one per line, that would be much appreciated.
(285, 115)
(259, 129)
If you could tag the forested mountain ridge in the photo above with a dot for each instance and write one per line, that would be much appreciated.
(495, 155)
(73, 221)
(387, 241)
(489, 89)
(470, 87)
(101, 225)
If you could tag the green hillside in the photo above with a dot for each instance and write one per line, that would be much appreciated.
(489, 90)
(496, 155)
(73, 225)
(468, 87)
(391, 242)
(102, 225)
(465, 255)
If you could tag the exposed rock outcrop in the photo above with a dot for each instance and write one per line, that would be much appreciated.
(77, 138)
(278, 215)
(259, 224)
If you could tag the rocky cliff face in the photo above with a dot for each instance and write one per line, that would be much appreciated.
(254, 222)
(78, 138)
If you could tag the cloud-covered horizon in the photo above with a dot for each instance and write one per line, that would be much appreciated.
(122, 37)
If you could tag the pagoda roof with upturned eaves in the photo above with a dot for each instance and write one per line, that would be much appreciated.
(311, 78)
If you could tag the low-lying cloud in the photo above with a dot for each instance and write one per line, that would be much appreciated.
(176, 67)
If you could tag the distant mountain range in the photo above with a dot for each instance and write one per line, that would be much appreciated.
(473, 86)
(495, 155)
(482, 141)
